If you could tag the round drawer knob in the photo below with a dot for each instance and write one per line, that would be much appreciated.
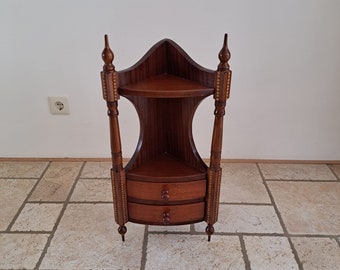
(165, 195)
(166, 218)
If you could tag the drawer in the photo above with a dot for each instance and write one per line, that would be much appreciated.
(166, 215)
(166, 192)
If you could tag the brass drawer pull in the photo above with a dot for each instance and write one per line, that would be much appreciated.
(165, 195)
(166, 218)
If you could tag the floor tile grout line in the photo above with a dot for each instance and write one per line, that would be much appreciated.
(297, 259)
(337, 239)
(191, 232)
(20, 178)
(175, 233)
(332, 170)
(192, 229)
(14, 219)
(144, 248)
(95, 178)
(49, 239)
(90, 202)
(70, 202)
(314, 235)
(245, 203)
(46, 202)
(219, 233)
(110, 202)
(244, 253)
(25, 232)
(301, 180)
(243, 234)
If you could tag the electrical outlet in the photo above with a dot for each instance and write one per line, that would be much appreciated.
(59, 105)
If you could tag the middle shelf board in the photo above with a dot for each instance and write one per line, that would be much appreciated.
(166, 86)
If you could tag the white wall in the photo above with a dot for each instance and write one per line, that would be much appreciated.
(285, 99)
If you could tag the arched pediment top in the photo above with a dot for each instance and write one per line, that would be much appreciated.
(166, 57)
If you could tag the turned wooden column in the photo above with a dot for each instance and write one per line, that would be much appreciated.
(110, 93)
(221, 94)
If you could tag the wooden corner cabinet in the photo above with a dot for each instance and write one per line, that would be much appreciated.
(166, 182)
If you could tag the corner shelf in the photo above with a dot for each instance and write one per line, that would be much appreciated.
(166, 181)
(166, 86)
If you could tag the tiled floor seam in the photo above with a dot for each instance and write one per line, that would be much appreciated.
(174, 233)
(314, 235)
(26, 232)
(70, 202)
(238, 234)
(192, 229)
(49, 240)
(337, 239)
(144, 248)
(90, 202)
(244, 253)
(237, 203)
(301, 180)
(244, 234)
(332, 170)
(94, 178)
(14, 178)
(297, 259)
(41, 202)
(9, 227)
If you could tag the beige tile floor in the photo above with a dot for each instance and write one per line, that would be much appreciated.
(59, 215)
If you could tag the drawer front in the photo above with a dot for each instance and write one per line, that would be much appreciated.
(166, 192)
(166, 215)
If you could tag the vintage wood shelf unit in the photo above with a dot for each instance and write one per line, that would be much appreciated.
(166, 182)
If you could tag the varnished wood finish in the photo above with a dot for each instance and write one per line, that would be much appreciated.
(168, 170)
(166, 193)
(166, 130)
(166, 182)
(222, 91)
(110, 94)
(176, 214)
(166, 57)
(166, 86)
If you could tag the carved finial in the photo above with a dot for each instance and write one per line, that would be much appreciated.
(107, 56)
(224, 55)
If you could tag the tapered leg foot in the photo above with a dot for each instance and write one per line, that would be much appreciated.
(209, 230)
(122, 230)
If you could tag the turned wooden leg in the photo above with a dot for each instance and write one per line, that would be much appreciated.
(122, 230)
(209, 230)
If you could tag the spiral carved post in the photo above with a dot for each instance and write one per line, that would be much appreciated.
(222, 90)
(110, 93)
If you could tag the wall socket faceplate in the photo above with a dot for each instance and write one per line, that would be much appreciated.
(59, 105)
